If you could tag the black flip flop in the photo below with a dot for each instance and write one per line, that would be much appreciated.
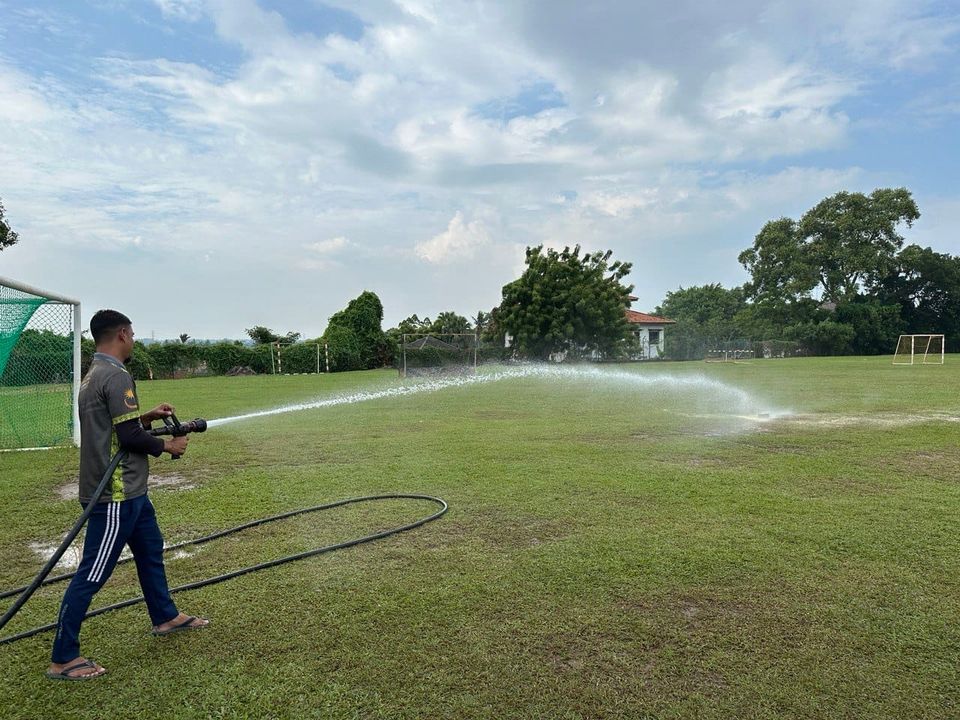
(62, 675)
(185, 625)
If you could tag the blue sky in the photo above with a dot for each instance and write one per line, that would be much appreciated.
(209, 165)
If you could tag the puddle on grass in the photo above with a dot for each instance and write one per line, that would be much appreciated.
(71, 557)
(69, 561)
(767, 421)
(168, 481)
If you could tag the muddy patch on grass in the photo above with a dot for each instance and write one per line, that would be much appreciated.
(73, 554)
(166, 482)
(70, 560)
(877, 420)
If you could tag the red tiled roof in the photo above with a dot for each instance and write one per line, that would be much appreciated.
(639, 318)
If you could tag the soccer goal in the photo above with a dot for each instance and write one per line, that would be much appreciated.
(39, 367)
(429, 355)
(298, 358)
(729, 351)
(919, 350)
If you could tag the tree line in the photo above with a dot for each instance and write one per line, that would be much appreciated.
(838, 280)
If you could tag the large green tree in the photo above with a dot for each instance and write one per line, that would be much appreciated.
(706, 316)
(711, 307)
(567, 302)
(358, 328)
(7, 236)
(842, 246)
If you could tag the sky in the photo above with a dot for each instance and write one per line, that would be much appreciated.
(209, 165)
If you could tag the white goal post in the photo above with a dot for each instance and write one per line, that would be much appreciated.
(40, 335)
(299, 358)
(919, 349)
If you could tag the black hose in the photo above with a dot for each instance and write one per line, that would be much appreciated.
(39, 580)
(58, 553)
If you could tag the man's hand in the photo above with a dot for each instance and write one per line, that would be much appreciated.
(176, 446)
(158, 413)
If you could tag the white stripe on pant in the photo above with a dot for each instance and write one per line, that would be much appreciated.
(106, 546)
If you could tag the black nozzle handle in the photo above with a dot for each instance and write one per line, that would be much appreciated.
(173, 427)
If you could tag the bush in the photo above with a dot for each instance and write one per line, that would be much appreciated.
(346, 350)
(139, 364)
(300, 358)
(172, 358)
(221, 357)
(823, 338)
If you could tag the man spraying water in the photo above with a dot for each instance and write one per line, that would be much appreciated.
(110, 417)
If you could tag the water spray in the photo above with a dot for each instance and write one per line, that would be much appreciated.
(746, 408)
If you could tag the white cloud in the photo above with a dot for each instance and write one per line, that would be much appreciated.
(323, 254)
(327, 247)
(671, 144)
(189, 10)
(459, 242)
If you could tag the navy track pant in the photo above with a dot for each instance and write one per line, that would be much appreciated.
(111, 526)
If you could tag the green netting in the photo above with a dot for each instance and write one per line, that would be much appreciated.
(16, 309)
(36, 370)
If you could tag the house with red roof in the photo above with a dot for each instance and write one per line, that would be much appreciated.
(649, 331)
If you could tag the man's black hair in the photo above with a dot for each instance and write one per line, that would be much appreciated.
(105, 323)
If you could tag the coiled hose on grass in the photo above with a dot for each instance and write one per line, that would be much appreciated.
(41, 578)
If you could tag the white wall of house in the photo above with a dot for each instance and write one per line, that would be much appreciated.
(651, 339)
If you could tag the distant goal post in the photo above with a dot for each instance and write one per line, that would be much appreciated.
(40, 334)
(919, 350)
(435, 354)
(300, 358)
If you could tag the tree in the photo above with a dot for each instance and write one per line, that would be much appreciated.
(565, 302)
(481, 321)
(853, 239)
(413, 325)
(712, 308)
(263, 335)
(779, 265)
(448, 323)
(706, 316)
(184, 338)
(845, 244)
(7, 236)
(925, 285)
(362, 317)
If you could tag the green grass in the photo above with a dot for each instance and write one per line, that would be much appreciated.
(35, 415)
(612, 550)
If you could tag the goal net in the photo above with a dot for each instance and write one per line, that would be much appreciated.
(39, 367)
(919, 350)
(297, 358)
(428, 355)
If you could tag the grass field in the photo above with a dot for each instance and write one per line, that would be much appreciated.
(770, 539)
(35, 415)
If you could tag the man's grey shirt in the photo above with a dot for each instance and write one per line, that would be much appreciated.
(108, 397)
